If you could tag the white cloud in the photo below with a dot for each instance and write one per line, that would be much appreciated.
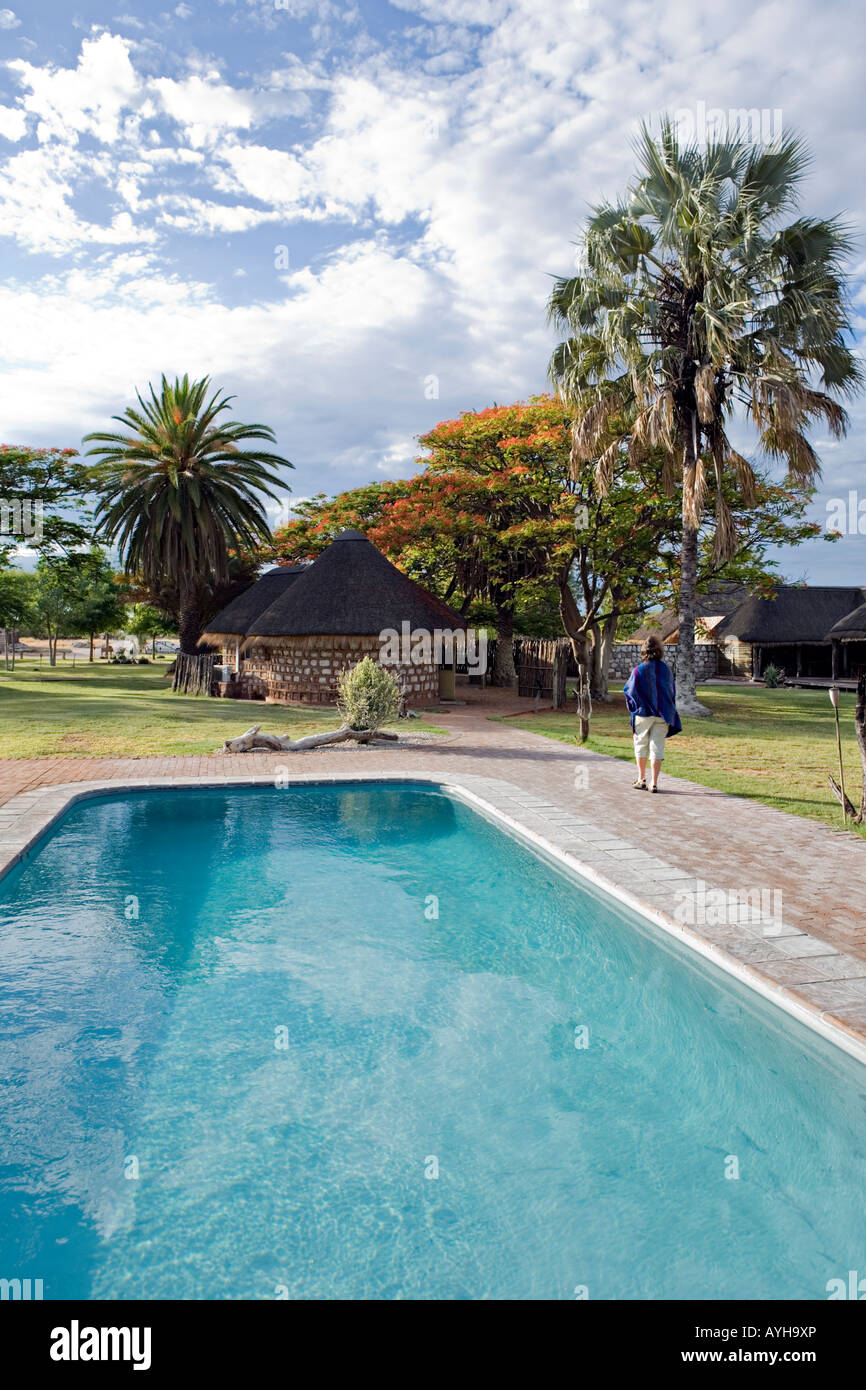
(86, 100)
(205, 106)
(203, 218)
(36, 192)
(9, 20)
(464, 155)
(13, 124)
(115, 315)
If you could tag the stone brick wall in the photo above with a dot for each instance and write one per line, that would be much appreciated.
(307, 669)
(626, 655)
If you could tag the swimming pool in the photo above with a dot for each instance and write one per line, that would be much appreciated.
(354, 1041)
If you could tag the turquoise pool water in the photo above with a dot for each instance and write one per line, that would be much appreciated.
(241, 1057)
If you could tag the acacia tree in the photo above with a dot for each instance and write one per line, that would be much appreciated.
(17, 589)
(178, 491)
(501, 509)
(44, 503)
(97, 599)
(698, 301)
(494, 485)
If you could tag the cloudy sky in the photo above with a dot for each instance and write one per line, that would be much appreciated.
(349, 213)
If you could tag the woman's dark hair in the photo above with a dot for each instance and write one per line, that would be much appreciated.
(652, 650)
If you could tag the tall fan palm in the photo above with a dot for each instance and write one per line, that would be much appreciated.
(698, 302)
(179, 491)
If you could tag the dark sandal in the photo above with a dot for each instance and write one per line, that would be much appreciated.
(653, 789)
(638, 785)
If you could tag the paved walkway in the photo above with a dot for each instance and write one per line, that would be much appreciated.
(583, 803)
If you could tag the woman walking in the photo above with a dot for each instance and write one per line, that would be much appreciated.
(651, 695)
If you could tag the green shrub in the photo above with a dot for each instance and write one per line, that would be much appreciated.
(369, 695)
(772, 677)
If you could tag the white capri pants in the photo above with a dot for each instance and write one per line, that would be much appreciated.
(650, 732)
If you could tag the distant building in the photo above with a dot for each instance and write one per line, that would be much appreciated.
(795, 631)
(808, 632)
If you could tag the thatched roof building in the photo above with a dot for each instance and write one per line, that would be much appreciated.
(235, 619)
(332, 614)
(851, 628)
(795, 631)
(807, 632)
(350, 590)
(795, 614)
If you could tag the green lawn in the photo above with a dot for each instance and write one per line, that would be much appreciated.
(130, 711)
(775, 746)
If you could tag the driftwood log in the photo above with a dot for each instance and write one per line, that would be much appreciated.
(255, 742)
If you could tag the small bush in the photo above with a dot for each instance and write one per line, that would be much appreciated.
(369, 695)
(772, 677)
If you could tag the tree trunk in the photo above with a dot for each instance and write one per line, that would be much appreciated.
(504, 672)
(92, 635)
(576, 633)
(189, 623)
(687, 700)
(604, 635)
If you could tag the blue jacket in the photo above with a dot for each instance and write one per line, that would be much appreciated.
(651, 690)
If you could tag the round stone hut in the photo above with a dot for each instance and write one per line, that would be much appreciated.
(350, 603)
(229, 628)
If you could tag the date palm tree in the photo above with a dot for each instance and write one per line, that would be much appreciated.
(702, 300)
(178, 491)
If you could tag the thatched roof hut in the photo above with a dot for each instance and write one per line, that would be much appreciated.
(235, 619)
(851, 628)
(339, 610)
(350, 590)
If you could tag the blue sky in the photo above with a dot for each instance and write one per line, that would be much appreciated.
(423, 168)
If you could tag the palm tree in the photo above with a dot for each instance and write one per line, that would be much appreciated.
(697, 302)
(178, 492)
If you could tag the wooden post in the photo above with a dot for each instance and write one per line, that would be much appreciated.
(834, 700)
(860, 727)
